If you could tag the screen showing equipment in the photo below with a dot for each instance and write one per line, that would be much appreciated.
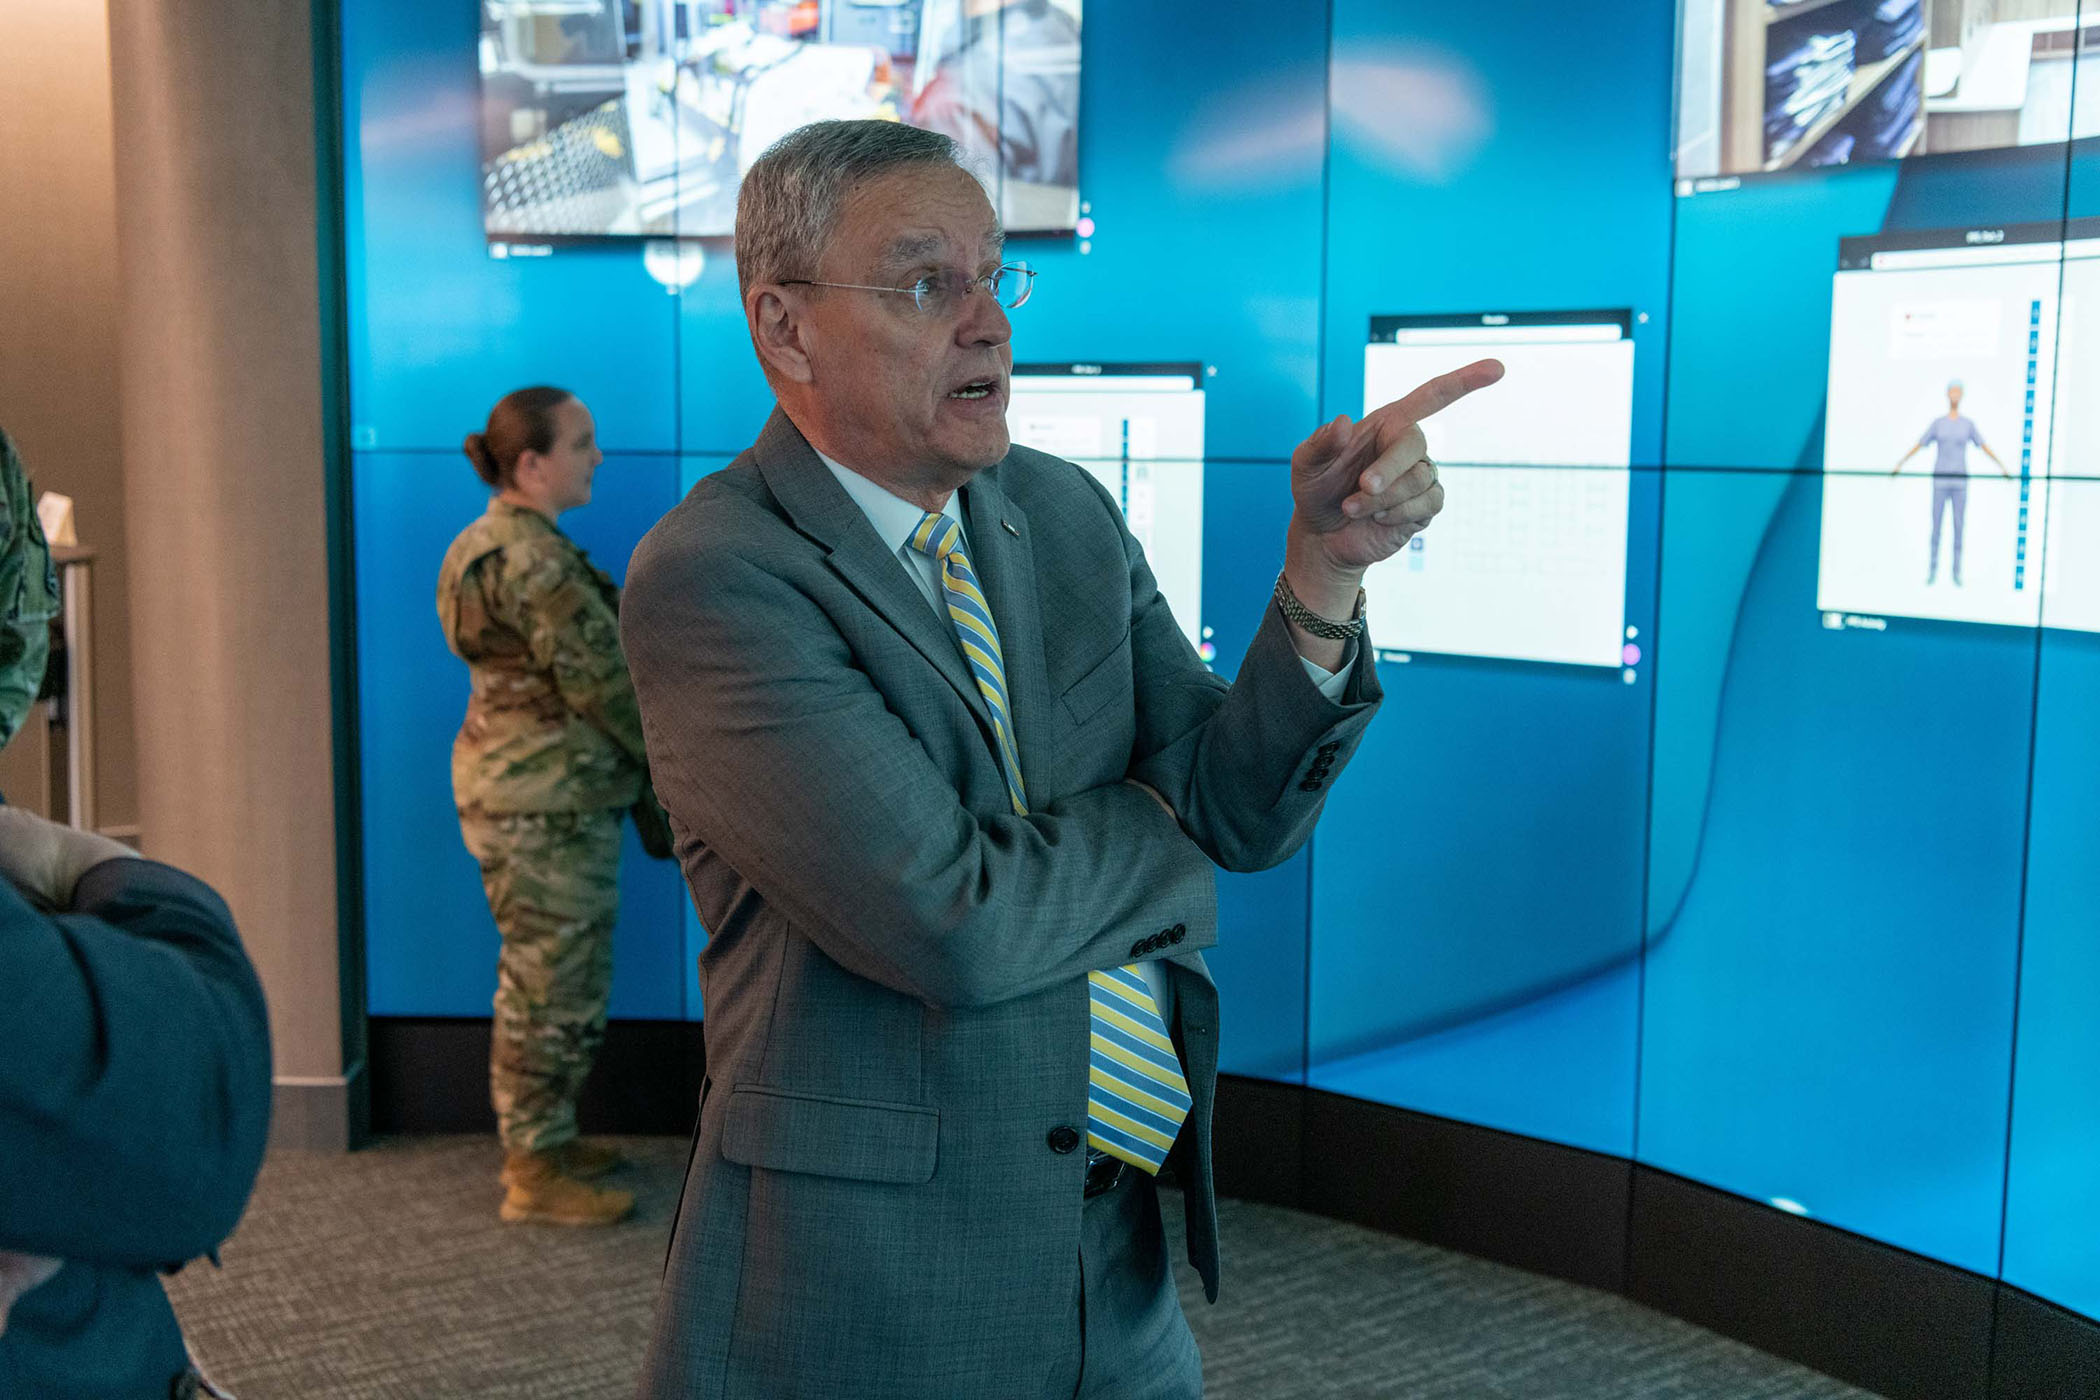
(1528, 560)
(640, 117)
(1794, 84)
(1139, 430)
(1958, 459)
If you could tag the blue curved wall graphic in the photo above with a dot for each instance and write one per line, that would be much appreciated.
(1762, 916)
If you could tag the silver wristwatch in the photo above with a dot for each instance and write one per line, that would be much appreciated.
(1312, 622)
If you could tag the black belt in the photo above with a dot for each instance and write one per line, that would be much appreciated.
(1103, 1174)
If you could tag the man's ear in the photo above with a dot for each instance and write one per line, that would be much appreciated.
(776, 329)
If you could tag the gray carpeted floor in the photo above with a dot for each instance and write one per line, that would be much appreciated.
(386, 1274)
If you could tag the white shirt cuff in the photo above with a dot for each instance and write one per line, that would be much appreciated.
(1332, 683)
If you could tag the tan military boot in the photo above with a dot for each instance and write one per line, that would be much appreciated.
(539, 1193)
(587, 1161)
(577, 1159)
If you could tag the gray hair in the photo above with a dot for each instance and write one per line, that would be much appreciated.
(789, 205)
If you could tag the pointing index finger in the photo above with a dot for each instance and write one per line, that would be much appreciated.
(1439, 394)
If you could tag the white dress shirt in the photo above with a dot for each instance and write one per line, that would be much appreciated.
(896, 519)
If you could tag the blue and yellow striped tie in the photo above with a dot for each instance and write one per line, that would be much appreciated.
(1137, 1098)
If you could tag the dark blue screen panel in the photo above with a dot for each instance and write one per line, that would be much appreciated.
(722, 395)
(1840, 799)
(2052, 1216)
(1200, 168)
(440, 327)
(1751, 296)
(1458, 183)
(1476, 897)
(1476, 887)
(2052, 1209)
(1201, 188)
(1828, 1009)
(1259, 962)
(430, 945)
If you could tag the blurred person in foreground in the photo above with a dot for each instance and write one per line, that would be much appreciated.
(134, 1070)
(949, 784)
(28, 593)
(547, 760)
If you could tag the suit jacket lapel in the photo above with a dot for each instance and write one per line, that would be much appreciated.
(822, 510)
(1005, 559)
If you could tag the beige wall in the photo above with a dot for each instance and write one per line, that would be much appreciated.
(221, 373)
(58, 325)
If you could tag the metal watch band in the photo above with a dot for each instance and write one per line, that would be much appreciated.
(1312, 622)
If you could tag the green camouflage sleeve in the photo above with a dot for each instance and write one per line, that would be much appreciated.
(28, 594)
(573, 633)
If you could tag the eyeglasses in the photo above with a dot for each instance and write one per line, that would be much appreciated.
(941, 293)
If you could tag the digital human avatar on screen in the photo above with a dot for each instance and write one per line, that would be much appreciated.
(1954, 433)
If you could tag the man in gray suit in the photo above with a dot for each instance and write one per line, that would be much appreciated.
(948, 784)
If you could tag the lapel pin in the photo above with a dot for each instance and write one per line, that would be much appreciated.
(1010, 528)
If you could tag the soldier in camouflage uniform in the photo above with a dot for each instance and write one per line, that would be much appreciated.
(548, 758)
(28, 594)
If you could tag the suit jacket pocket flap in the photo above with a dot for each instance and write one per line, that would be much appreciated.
(1107, 679)
(860, 1139)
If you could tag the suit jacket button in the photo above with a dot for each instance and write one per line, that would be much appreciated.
(1063, 1139)
(1180, 932)
(1309, 785)
(1330, 748)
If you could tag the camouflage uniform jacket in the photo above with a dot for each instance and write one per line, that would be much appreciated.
(28, 594)
(552, 725)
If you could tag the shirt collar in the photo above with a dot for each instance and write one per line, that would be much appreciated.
(499, 506)
(893, 517)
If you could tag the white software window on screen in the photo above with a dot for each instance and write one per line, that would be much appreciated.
(1528, 560)
(1141, 436)
(1959, 363)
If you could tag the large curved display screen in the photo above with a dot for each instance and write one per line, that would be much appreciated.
(1733, 807)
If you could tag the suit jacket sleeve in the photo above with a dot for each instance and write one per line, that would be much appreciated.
(1245, 765)
(134, 1070)
(780, 754)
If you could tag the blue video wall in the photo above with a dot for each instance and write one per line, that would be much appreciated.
(1733, 808)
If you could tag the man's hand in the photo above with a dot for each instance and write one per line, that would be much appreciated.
(1364, 489)
(49, 859)
(18, 1274)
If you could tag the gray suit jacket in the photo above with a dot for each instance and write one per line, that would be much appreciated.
(897, 1012)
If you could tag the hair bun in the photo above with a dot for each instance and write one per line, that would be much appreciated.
(476, 447)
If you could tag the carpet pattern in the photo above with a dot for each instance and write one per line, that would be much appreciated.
(386, 1274)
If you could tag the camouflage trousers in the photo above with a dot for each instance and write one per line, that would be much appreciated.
(553, 883)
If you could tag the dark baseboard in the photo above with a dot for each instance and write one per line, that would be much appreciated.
(1894, 1322)
(1881, 1318)
(1257, 1140)
(2043, 1352)
(1536, 1205)
(430, 1074)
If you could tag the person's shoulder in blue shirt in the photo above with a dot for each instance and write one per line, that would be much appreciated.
(134, 1104)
